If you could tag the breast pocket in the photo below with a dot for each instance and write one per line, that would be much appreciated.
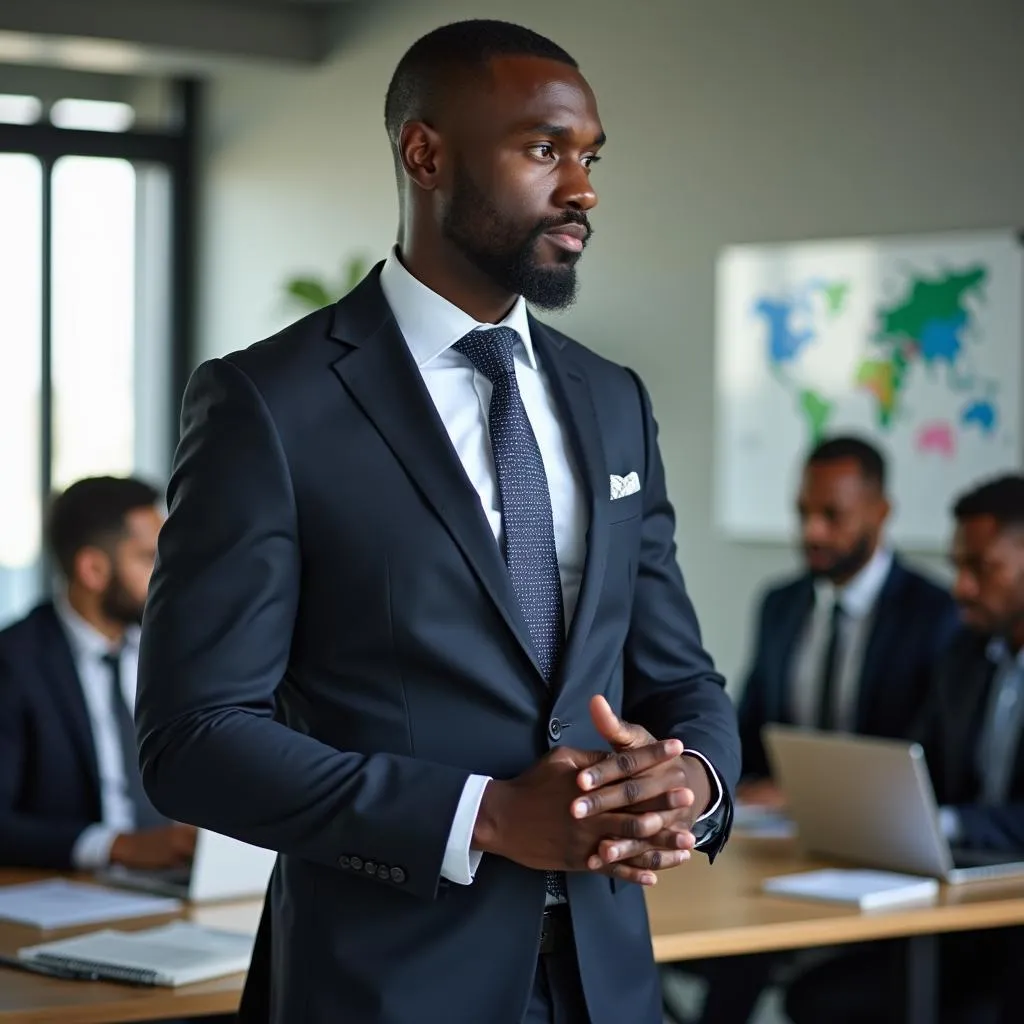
(628, 507)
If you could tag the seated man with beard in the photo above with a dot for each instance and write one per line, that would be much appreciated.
(70, 791)
(972, 730)
(848, 645)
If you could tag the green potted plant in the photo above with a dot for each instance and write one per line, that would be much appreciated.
(312, 292)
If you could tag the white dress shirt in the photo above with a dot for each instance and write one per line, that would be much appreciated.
(88, 648)
(431, 325)
(858, 598)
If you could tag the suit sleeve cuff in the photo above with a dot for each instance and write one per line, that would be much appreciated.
(717, 795)
(951, 825)
(92, 847)
(460, 862)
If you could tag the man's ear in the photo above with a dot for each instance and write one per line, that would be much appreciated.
(93, 569)
(422, 153)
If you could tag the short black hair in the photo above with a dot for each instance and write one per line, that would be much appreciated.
(1001, 498)
(462, 45)
(91, 512)
(869, 459)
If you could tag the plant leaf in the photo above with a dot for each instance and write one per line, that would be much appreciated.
(309, 291)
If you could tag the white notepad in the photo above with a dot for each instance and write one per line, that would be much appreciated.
(57, 903)
(179, 953)
(868, 890)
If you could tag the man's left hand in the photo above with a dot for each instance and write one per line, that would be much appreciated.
(679, 790)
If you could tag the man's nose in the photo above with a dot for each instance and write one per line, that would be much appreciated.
(576, 191)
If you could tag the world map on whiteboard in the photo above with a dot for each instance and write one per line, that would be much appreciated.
(912, 343)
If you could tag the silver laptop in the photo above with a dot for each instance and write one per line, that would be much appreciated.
(222, 869)
(870, 801)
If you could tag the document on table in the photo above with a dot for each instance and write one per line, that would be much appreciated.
(59, 903)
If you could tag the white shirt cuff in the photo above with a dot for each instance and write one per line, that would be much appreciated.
(716, 785)
(460, 862)
(950, 824)
(92, 847)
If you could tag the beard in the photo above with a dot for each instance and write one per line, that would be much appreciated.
(845, 564)
(504, 253)
(119, 605)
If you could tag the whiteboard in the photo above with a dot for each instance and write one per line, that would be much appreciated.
(912, 343)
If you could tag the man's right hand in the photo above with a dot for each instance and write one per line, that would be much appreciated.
(165, 847)
(528, 819)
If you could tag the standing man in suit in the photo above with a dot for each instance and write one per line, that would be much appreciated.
(70, 791)
(973, 734)
(850, 644)
(417, 622)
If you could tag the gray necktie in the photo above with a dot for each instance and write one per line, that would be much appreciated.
(1002, 730)
(146, 815)
(526, 518)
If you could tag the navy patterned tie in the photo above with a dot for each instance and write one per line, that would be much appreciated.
(529, 534)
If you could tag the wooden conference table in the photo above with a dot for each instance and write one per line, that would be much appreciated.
(696, 911)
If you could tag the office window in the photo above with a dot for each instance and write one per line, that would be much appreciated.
(20, 109)
(93, 115)
(95, 304)
(21, 189)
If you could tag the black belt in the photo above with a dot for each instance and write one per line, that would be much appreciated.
(556, 929)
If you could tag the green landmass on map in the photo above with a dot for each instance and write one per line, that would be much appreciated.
(835, 297)
(925, 326)
(816, 412)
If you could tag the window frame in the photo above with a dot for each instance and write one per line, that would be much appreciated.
(178, 151)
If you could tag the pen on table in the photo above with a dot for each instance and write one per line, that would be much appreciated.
(50, 970)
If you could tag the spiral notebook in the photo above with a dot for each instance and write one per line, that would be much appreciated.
(175, 954)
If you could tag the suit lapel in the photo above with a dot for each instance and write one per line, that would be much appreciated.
(59, 667)
(883, 636)
(381, 376)
(576, 407)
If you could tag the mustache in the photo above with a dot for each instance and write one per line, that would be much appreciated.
(569, 217)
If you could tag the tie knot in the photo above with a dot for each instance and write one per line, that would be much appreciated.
(490, 351)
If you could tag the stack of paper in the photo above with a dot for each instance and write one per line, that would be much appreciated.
(178, 953)
(58, 903)
(868, 890)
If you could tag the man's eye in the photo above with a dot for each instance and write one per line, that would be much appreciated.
(544, 150)
(590, 160)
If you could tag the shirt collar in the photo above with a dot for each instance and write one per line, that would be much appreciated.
(430, 323)
(859, 594)
(998, 651)
(87, 641)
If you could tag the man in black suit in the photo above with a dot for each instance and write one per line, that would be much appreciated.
(850, 644)
(70, 791)
(972, 731)
(419, 559)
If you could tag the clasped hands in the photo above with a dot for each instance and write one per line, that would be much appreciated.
(627, 814)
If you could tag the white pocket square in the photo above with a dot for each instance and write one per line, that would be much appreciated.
(624, 485)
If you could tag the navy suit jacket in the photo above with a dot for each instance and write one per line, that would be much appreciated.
(950, 730)
(332, 646)
(914, 621)
(49, 781)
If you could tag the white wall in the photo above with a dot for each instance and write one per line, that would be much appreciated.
(728, 122)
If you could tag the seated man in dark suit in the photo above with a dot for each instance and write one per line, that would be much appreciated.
(850, 643)
(847, 645)
(70, 791)
(972, 730)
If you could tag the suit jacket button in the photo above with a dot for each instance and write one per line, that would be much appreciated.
(555, 729)
(344, 862)
(383, 873)
(370, 867)
(357, 863)
(397, 876)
